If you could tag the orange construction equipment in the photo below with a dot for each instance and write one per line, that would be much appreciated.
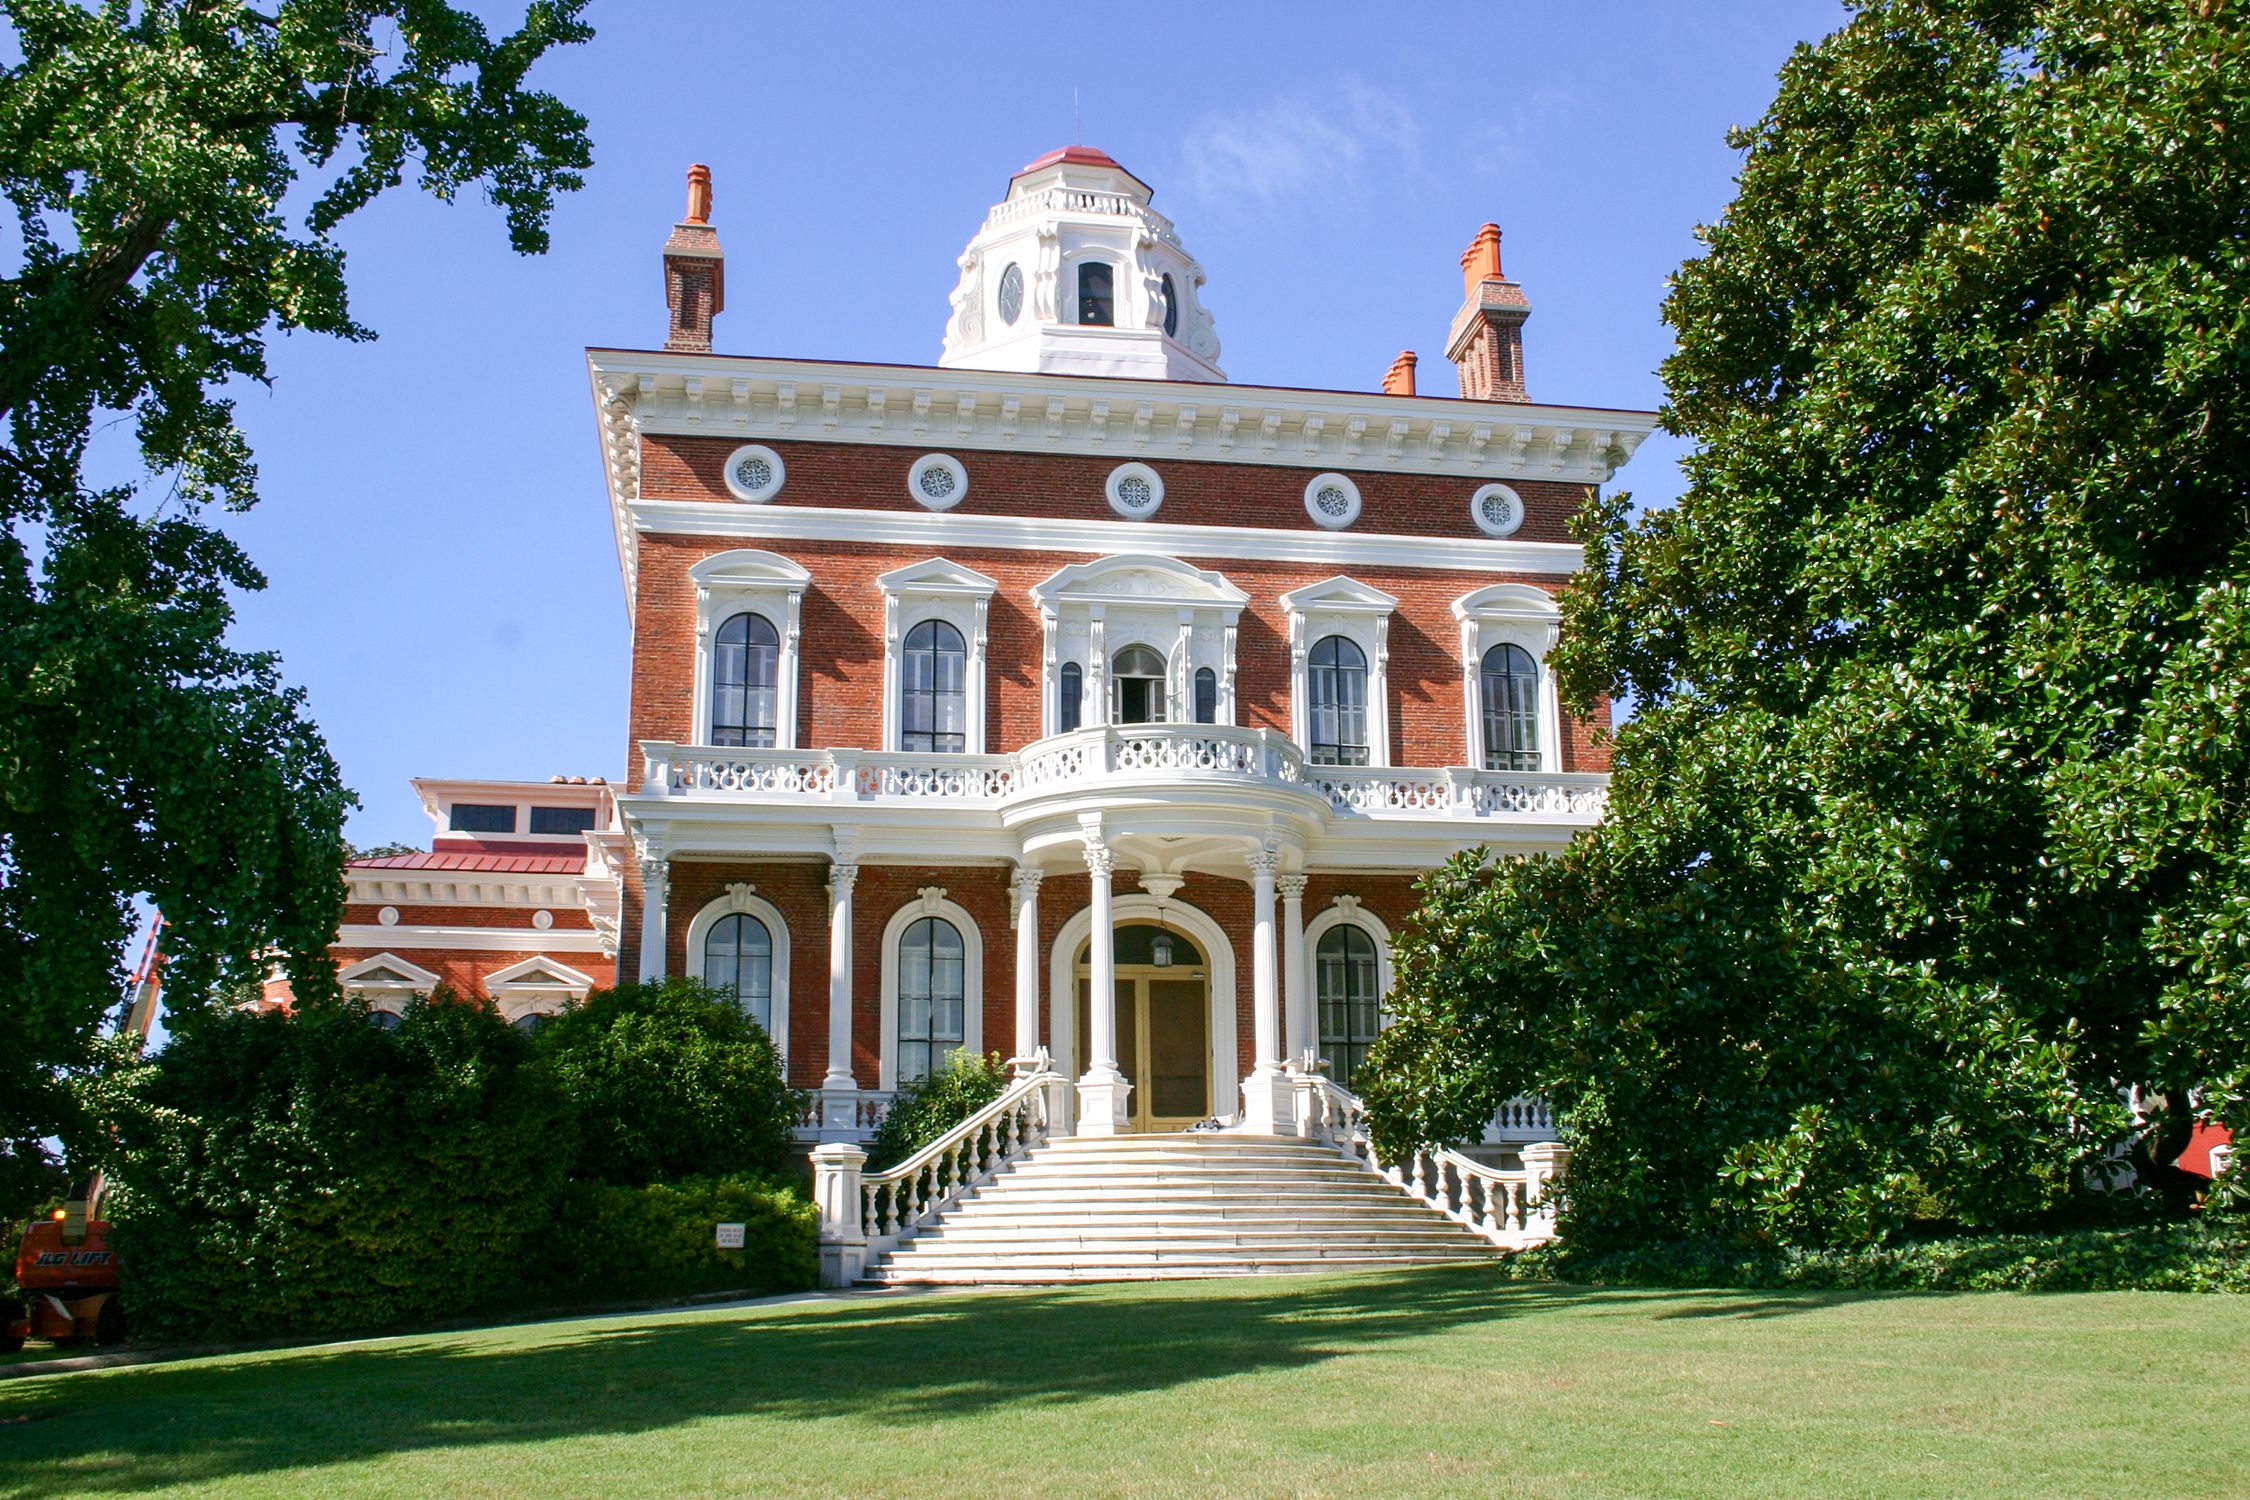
(69, 1278)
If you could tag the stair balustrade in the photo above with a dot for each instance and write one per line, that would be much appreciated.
(1511, 1208)
(863, 1216)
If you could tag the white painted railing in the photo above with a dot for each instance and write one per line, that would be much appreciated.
(1217, 753)
(1523, 1118)
(843, 1114)
(1512, 1209)
(862, 1216)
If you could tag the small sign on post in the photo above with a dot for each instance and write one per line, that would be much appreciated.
(730, 1236)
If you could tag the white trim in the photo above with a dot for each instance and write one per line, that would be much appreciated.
(741, 897)
(937, 463)
(747, 580)
(759, 494)
(1090, 611)
(471, 939)
(1319, 483)
(936, 590)
(1132, 908)
(1515, 501)
(1346, 911)
(972, 977)
(536, 986)
(899, 528)
(1360, 614)
(1527, 616)
(387, 994)
(1112, 490)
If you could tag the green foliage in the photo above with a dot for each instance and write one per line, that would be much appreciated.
(1931, 829)
(2203, 1256)
(628, 1243)
(925, 1110)
(670, 1080)
(147, 152)
(313, 1174)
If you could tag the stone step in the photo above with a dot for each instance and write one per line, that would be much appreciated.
(1080, 1190)
(1447, 1237)
(1176, 1211)
(1215, 1172)
(1005, 1272)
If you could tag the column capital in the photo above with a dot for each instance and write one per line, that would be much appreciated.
(841, 878)
(1026, 880)
(1100, 859)
(655, 869)
(1265, 861)
(1291, 887)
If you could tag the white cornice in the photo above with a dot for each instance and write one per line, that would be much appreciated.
(637, 392)
(466, 888)
(1334, 549)
(470, 939)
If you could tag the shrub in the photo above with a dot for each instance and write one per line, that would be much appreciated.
(312, 1174)
(925, 1110)
(670, 1080)
(616, 1243)
(2206, 1255)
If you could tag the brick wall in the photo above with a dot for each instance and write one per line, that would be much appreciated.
(463, 969)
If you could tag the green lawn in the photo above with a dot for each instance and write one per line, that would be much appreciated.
(1432, 1382)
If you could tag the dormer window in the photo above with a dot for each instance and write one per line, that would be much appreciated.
(1097, 299)
(482, 817)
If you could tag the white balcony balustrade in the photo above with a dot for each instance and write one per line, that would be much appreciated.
(1120, 757)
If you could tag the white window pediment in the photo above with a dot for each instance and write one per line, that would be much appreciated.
(936, 589)
(748, 580)
(536, 986)
(1361, 614)
(386, 981)
(1091, 611)
(1517, 614)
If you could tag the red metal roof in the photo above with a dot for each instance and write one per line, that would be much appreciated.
(1078, 156)
(483, 860)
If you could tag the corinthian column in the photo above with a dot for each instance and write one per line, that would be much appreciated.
(1268, 1104)
(656, 885)
(841, 877)
(1102, 1090)
(1027, 965)
(1299, 1031)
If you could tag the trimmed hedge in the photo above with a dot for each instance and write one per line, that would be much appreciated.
(631, 1243)
(313, 1174)
(2203, 1255)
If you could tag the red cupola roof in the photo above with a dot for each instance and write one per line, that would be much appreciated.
(1079, 156)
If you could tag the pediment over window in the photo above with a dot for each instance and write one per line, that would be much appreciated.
(386, 969)
(1137, 578)
(1518, 602)
(748, 568)
(1338, 595)
(936, 576)
(540, 972)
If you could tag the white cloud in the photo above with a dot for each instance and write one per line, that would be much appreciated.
(1301, 144)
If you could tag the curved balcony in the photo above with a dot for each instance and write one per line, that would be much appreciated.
(1140, 762)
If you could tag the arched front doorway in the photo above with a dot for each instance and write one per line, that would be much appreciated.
(1163, 1023)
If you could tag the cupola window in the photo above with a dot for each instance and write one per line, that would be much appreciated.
(1097, 301)
(1137, 691)
(1171, 309)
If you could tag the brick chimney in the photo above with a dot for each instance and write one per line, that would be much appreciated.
(1398, 380)
(1486, 343)
(695, 270)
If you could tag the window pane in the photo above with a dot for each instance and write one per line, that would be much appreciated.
(562, 820)
(1336, 680)
(477, 817)
(1070, 695)
(1509, 687)
(1096, 305)
(1206, 696)
(932, 1007)
(745, 667)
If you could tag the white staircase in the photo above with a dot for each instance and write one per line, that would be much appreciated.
(1146, 1207)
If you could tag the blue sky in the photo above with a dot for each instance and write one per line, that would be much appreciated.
(443, 582)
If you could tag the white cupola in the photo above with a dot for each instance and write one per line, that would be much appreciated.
(1073, 273)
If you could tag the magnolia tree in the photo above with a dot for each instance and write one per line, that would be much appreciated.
(1928, 855)
(149, 152)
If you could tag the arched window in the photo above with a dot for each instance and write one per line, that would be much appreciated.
(1206, 696)
(1171, 308)
(1070, 697)
(1096, 302)
(1508, 681)
(738, 960)
(745, 672)
(1336, 674)
(931, 1004)
(933, 697)
(1350, 1004)
(1136, 687)
(385, 1020)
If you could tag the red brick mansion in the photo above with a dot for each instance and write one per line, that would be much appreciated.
(1057, 695)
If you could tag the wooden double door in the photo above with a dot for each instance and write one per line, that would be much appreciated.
(1163, 1041)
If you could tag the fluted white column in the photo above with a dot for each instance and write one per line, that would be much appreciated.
(1268, 1105)
(840, 880)
(1027, 965)
(1300, 1031)
(656, 884)
(1102, 1090)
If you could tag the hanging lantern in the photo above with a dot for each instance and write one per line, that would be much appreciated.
(1160, 949)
